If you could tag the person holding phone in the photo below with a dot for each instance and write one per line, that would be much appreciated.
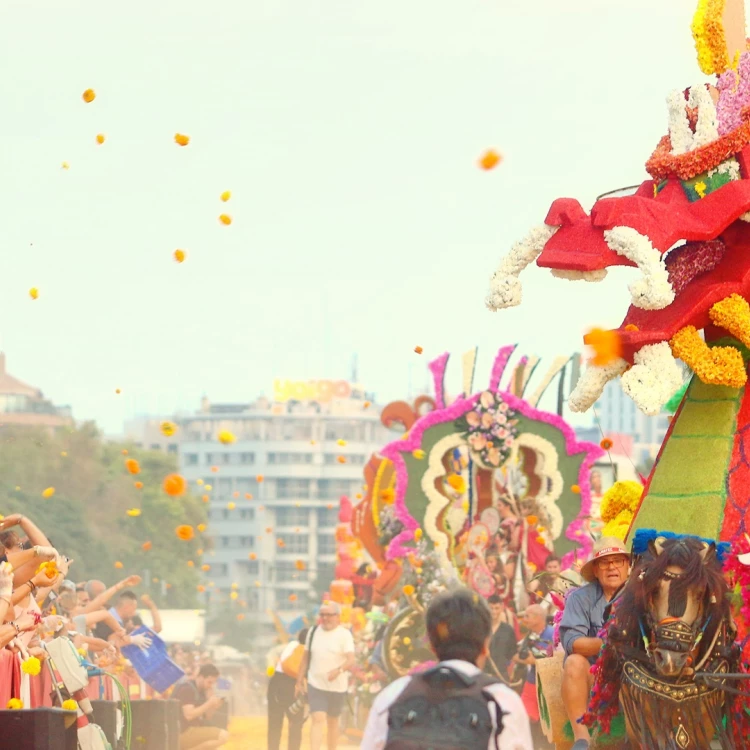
(198, 705)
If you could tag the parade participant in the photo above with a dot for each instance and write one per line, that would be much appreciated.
(329, 655)
(536, 644)
(198, 705)
(541, 586)
(606, 572)
(503, 640)
(281, 695)
(459, 626)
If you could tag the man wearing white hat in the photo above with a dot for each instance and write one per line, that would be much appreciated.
(606, 572)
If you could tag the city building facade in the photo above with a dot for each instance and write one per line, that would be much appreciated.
(274, 494)
(25, 405)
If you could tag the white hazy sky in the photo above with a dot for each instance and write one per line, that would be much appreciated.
(348, 132)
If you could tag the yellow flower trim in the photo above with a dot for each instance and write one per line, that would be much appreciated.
(720, 365)
(700, 188)
(15, 704)
(710, 40)
(70, 705)
(733, 315)
(31, 666)
(619, 527)
(621, 497)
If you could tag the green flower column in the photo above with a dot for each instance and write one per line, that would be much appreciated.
(693, 488)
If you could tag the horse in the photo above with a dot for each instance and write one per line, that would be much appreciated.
(669, 652)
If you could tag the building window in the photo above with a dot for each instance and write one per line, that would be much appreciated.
(352, 431)
(333, 489)
(326, 544)
(333, 458)
(172, 448)
(155, 447)
(190, 459)
(328, 517)
(216, 459)
(247, 514)
(297, 544)
(251, 567)
(290, 458)
(290, 429)
(247, 541)
(292, 516)
(286, 571)
(292, 489)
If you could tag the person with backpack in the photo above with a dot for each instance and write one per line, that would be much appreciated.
(281, 691)
(452, 706)
(329, 655)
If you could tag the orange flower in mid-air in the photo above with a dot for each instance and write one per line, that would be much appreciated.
(179, 255)
(490, 159)
(201, 589)
(124, 451)
(292, 597)
(139, 485)
(201, 527)
(133, 466)
(205, 568)
(606, 444)
(181, 140)
(225, 219)
(185, 532)
(174, 485)
(88, 96)
(146, 546)
(300, 565)
(34, 293)
(48, 493)
(226, 195)
(118, 565)
(226, 437)
(134, 512)
(215, 469)
(281, 543)
(418, 349)
(607, 346)
(190, 564)
(259, 478)
(100, 138)
(341, 459)
(206, 498)
(253, 556)
(576, 489)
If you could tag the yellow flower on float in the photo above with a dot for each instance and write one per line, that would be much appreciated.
(31, 666)
(14, 704)
(70, 705)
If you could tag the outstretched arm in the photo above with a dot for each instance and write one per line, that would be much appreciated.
(101, 600)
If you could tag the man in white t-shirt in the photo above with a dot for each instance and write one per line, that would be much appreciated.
(329, 655)
(459, 628)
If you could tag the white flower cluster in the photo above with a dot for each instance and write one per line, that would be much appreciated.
(653, 291)
(505, 288)
(593, 276)
(706, 129)
(653, 379)
(591, 384)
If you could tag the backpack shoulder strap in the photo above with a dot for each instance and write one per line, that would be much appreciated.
(485, 681)
(309, 651)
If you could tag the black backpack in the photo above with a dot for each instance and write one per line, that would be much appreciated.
(444, 709)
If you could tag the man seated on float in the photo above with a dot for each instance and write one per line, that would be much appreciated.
(606, 572)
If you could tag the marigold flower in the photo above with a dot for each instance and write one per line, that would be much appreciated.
(199, 552)
(418, 349)
(208, 488)
(48, 493)
(281, 543)
(65, 165)
(417, 534)
(299, 564)
(235, 494)
(88, 96)
(253, 556)
(225, 219)
(259, 478)
(146, 546)
(201, 527)
(70, 705)
(248, 496)
(118, 565)
(226, 437)
(231, 506)
(408, 590)
(100, 138)
(406, 640)
(419, 454)
(607, 346)
(606, 444)
(139, 485)
(168, 428)
(234, 595)
(341, 459)
(14, 704)
(181, 140)
(34, 293)
(206, 498)
(124, 451)
(190, 564)
(201, 588)
(388, 495)
(199, 482)
(64, 454)
(241, 617)
(269, 529)
(205, 567)
(292, 597)
(174, 485)
(215, 469)
(490, 159)
(185, 532)
(532, 520)
(576, 489)
(226, 195)
(133, 512)
(366, 405)
(456, 482)
(133, 466)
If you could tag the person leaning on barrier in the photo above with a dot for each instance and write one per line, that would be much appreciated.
(606, 572)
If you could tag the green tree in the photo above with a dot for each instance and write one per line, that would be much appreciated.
(86, 518)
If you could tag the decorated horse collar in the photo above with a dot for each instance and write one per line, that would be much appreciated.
(645, 680)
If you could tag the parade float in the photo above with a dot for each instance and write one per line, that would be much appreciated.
(477, 489)
(686, 230)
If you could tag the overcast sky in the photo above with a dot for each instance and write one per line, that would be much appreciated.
(348, 132)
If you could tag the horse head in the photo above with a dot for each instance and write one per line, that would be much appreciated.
(681, 584)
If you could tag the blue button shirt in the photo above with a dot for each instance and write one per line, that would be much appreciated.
(583, 616)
